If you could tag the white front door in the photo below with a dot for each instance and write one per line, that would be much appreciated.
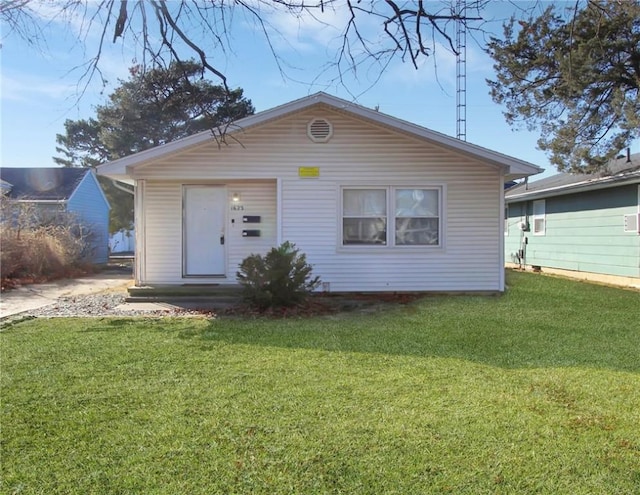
(204, 217)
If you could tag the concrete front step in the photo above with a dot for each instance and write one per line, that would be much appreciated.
(188, 296)
(164, 291)
(179, 300)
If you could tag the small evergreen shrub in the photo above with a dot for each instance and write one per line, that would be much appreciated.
(280, 278)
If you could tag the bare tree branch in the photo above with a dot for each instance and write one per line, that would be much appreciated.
(403, 25)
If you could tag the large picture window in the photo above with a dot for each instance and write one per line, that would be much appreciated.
(391, 216)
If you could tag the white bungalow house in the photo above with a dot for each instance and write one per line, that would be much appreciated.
(376, 203)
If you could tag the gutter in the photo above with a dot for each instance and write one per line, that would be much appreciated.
(119, 186)
(46, 201)
(587, 185)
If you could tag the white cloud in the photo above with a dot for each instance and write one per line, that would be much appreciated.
(75, 17)
(439, 68)
(26, 87)
(309, 31)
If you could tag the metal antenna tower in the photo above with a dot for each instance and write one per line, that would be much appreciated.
(461, 72)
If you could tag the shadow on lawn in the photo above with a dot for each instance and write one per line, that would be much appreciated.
(540, 322)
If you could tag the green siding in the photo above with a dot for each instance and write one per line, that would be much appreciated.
(584, 232)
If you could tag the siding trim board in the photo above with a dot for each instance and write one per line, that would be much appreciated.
(140, 273)
(501, 233)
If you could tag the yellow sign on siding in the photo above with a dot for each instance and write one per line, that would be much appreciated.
(307, 172)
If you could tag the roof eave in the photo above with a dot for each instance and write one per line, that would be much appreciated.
(513, 168)
(46, 201)
(590, 185)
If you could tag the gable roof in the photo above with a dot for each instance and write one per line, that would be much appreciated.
(625, 170)
(514, 168)
(41, 183)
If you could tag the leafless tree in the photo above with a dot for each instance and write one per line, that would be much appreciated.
(162, 31)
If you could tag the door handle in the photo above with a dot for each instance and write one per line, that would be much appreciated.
(222, 239)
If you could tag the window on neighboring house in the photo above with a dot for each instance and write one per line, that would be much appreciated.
(539, 217)
(416, 219)
(506, 220)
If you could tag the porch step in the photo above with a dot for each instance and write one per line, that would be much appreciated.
(192, 296)
(226, 300)
(185, 291)
(190, 303)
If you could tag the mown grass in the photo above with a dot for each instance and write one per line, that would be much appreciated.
(537, 391)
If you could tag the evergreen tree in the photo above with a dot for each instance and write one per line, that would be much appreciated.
(574, 75)
(149, 109)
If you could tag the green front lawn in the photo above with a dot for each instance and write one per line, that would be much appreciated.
(537, 391)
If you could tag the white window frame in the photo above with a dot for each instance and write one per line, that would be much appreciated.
(390, 243)
(506, 219)
(365, 217)
(539, 215)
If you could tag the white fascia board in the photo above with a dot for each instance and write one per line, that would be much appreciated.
(513, 167)
(118, 169)
(122, 168)
(41, 201)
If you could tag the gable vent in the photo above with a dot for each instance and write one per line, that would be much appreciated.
(319, 130)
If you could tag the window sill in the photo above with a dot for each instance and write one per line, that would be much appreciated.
(388, 250)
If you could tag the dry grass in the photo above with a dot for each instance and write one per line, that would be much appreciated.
(36, 248)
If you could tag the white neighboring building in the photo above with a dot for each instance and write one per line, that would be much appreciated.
(123, 241)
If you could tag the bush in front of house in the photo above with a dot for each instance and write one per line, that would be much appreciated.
(40, 247)
(280, 278)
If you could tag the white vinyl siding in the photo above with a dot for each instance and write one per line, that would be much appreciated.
(358, 153)
(163, 226)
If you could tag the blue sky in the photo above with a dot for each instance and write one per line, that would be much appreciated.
(40, 87)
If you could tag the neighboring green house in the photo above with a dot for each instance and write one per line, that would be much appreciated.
(585, 223)
(54, 190)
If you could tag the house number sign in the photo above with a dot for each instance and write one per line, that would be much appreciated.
(237, 207)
